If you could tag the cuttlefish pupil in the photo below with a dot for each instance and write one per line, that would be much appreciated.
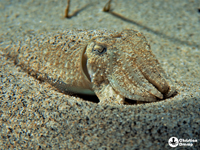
(98, 49)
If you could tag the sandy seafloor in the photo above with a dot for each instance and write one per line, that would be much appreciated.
(34, 115)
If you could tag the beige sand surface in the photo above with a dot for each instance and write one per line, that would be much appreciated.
(35, 115)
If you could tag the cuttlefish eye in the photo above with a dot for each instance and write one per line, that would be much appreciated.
(99, 49)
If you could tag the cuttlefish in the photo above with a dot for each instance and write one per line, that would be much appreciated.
(113, 65)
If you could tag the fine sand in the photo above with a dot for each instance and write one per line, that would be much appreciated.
(34, 115)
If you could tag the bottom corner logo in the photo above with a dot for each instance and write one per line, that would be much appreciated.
(173, 142)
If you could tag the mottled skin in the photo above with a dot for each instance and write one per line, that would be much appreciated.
(113, 65)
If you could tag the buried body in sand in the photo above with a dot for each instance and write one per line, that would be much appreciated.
(113, 65)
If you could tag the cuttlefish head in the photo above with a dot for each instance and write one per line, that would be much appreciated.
(123, 66)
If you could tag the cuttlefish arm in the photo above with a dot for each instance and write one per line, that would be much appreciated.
(123, 66)
(108, 95)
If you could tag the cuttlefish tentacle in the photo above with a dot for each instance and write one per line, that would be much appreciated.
(148, 64)
(131, 83)
(108, 95)
(136, 78)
